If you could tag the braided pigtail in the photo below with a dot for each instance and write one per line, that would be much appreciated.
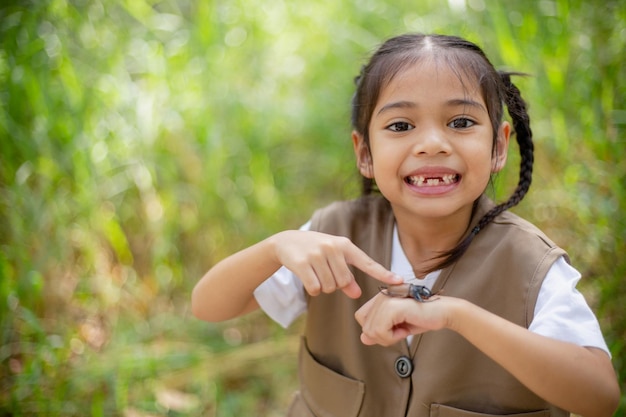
(521, 126)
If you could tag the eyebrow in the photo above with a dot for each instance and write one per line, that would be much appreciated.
(397, 105)
(466, 102)
(450, 103)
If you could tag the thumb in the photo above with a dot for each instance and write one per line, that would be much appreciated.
(366, 340)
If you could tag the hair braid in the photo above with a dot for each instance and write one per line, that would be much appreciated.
(521, 126)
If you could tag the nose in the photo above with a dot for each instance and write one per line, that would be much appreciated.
(431, 141)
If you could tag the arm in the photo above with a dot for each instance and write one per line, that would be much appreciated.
(578, 379)
(319, 260)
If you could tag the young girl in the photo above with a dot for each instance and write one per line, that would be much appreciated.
(495, 324)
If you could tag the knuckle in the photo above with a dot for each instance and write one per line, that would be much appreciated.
(328, 247)
(298, 264)
(343, 280)
(313, 288)
(327, 289)
(344, 241)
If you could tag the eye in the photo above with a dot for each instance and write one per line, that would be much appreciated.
(461, 123)
(400, 127)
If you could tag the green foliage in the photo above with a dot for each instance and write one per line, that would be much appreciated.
(141, 141)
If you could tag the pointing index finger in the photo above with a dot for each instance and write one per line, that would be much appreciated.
(362, 261)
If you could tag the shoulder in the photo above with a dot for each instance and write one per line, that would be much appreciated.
(519, 236)
(521, 227)
(508, 229)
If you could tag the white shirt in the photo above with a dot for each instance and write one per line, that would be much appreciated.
(561, 311)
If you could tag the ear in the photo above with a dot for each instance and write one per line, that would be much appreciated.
(363, 156)
(498, 159)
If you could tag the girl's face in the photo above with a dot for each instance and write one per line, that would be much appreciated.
(431, 142)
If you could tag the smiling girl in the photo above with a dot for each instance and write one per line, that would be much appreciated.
(505, 333)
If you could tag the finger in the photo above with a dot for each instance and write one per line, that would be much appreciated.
(341, 272)
(362, 261)
(383, 336)
(366, 340)
(363, 312)
(344, 279)
(325, 277)
(380, 321)
(352, 290)
(386, 338)
(310, 281)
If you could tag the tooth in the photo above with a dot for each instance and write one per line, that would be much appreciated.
(421, 180)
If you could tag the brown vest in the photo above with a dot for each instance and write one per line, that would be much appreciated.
(502, 271)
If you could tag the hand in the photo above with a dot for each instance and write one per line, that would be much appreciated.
(386, 320)
(321, 262)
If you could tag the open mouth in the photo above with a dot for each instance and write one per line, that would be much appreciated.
(432, 180)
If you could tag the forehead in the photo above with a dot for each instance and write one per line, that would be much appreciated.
(430, 79)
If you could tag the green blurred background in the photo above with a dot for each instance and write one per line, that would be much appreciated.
(141, 141)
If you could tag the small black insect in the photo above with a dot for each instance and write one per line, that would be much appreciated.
(418, 292)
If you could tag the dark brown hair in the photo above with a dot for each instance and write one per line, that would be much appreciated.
(468, 61)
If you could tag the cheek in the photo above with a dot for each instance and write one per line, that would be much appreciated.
(386, 162)
(381, 155)
(481, 162)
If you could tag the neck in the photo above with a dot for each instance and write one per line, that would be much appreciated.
(423, 240)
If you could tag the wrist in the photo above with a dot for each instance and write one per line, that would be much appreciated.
(457, 313)
(272, 244)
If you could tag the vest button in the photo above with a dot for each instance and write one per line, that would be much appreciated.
(403, 367)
